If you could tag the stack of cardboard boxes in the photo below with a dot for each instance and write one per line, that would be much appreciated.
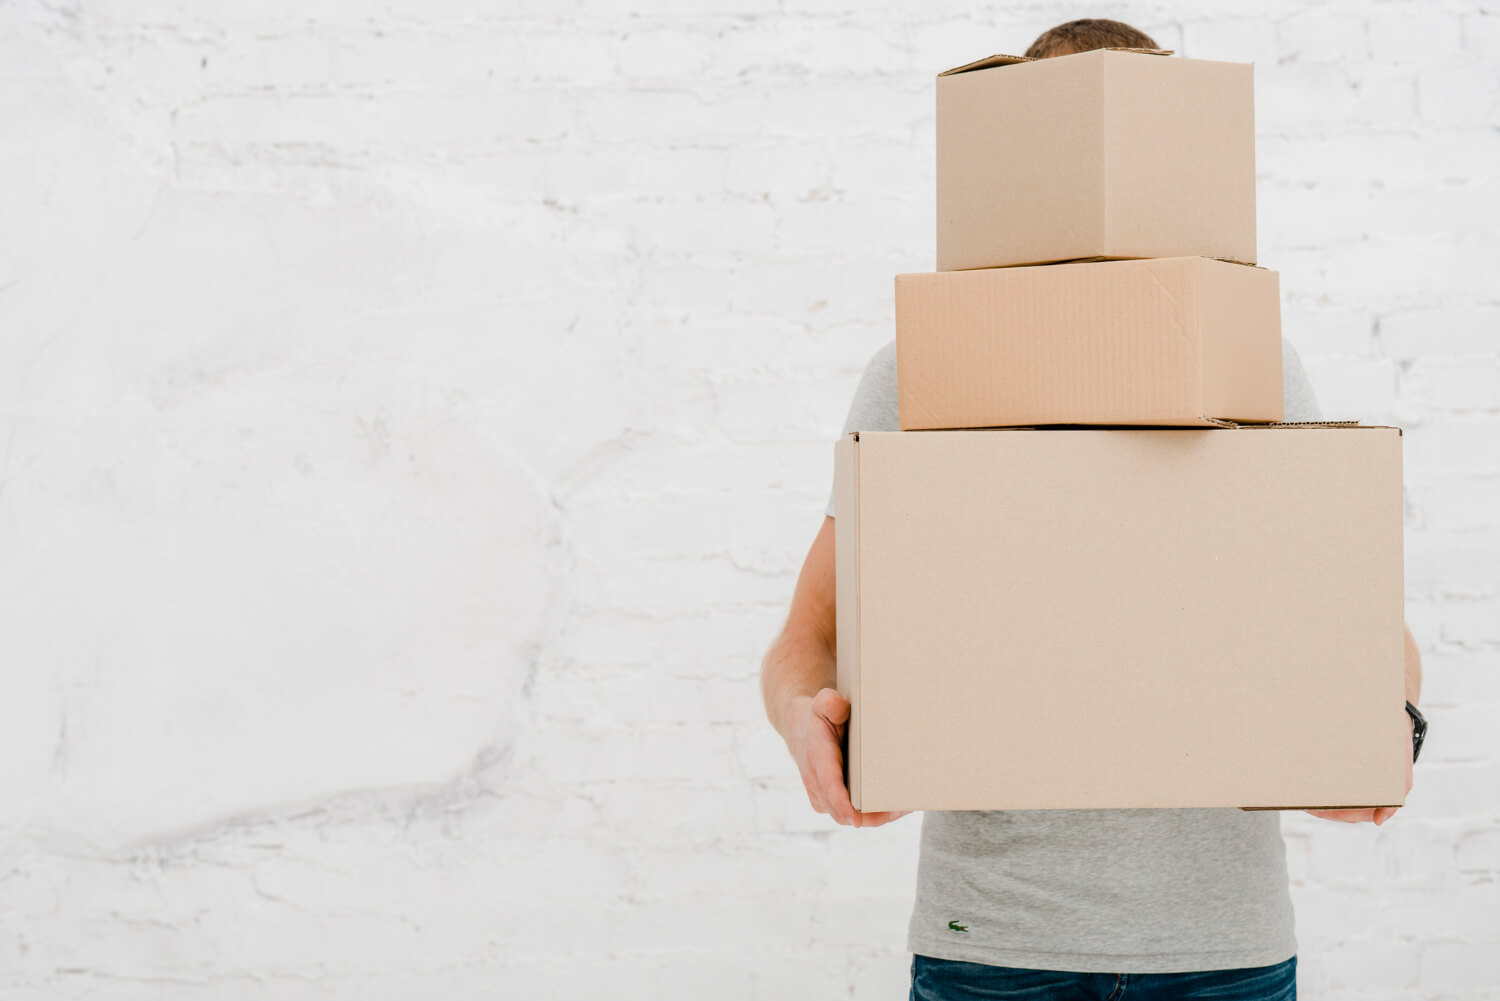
(1172, 600)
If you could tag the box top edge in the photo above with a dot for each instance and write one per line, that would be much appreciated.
(1003, 59)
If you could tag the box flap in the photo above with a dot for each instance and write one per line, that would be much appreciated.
(1101, 259)
(1000, 59)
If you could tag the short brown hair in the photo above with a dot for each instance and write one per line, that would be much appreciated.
(1088, 33)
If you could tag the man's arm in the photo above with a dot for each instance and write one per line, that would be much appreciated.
(797, 683)
(1413, 669)
(1413, 691)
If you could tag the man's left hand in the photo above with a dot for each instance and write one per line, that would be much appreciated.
(1379, 814)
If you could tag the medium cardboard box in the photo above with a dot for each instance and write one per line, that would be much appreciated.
(1039, 619)
(1183, 341)
(1107, 153)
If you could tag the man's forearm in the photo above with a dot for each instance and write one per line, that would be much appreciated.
(798, 663)
(1413, 669)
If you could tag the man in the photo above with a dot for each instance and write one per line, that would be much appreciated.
(1117, 904)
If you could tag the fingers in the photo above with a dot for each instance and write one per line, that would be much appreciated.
(835, 797)
(877, 819)
(1377, 815)
(829, 795)
(823, 775)
(827, 792)
(834, 792)
(1345, 816)
(825, 758)
(826, 765)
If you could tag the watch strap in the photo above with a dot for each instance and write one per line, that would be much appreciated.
(1418, 730)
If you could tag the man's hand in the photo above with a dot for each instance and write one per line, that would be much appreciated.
(1413, 693)
(815, 730)
(1378, 814)
(804, 659)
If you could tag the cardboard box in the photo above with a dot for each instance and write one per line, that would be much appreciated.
(1183, 341)
(1107, 153)
(1040, 619)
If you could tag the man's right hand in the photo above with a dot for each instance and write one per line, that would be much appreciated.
(815, 731)
(803, 658)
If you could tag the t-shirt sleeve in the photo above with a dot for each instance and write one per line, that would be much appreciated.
(874, 405)
(1298, 401)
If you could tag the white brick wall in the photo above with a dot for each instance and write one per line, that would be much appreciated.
(414, 416)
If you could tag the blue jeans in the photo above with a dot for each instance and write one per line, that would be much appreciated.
(951, 980)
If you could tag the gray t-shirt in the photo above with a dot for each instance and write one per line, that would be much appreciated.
(1098, 891)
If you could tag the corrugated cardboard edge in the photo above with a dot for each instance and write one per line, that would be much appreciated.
(1296, 424)
(1250, 425)
(1327, 424)
(1208, 422)
(1198, 423)
(1001, 59)
(1360, 806)
(846, 609)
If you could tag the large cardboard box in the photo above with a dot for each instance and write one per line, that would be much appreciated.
(1107, 153)
(1178, 341)
(1036, 619)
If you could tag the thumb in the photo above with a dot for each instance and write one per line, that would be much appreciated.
(832, 706)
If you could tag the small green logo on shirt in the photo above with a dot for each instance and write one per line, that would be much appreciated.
(955, 926)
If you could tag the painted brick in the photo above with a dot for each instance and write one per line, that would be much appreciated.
(600, 278)
(1323, 36)
(1409, 36)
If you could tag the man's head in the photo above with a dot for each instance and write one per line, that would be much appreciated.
(1088, 33)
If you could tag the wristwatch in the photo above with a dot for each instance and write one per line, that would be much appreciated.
(1418, 730)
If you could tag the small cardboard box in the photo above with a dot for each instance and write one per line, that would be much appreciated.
(1041, 619)
(1184, 341)
(1106, 153)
